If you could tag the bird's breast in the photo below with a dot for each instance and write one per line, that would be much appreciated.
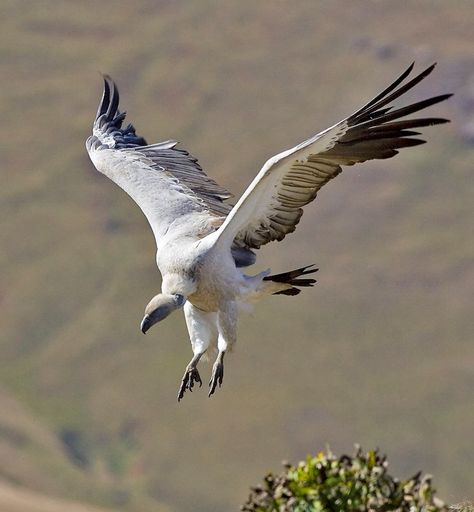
(217, 282)
(213, 274)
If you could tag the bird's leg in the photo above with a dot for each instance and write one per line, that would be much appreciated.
(191, 375)
(217, 372)
(202, 327)
(227, 327)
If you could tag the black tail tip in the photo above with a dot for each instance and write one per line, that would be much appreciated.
(290, 291)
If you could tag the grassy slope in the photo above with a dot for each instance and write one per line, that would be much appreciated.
(379, 353)
(14, 499)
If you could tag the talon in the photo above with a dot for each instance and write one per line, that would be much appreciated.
(217, 376)
(191, 375)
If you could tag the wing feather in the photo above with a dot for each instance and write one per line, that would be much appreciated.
(271, 207)
(165, 181)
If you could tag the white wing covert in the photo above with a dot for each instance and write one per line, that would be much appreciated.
(271, 207)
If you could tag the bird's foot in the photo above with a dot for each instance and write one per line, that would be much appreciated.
(217, 373)
(190, 377)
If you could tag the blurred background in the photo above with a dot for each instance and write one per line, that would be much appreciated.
(380, 352)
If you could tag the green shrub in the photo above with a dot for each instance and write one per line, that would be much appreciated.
(326, 483)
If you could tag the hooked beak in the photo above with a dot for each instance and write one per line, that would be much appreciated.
(159, 308)
(160, 313)
(146, 324)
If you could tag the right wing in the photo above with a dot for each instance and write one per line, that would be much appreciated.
(167, 183)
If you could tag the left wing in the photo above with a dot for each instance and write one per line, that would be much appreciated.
(271, 207)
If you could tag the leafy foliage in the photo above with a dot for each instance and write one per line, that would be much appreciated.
(328, 483)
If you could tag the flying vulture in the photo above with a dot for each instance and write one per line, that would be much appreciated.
(204, 242)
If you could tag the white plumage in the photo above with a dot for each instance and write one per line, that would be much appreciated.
(203, 242)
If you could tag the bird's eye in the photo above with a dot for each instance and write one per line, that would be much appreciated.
(180, 300)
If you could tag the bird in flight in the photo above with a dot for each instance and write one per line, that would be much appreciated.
(203, 242)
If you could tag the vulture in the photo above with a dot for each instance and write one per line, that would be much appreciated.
(204, 242)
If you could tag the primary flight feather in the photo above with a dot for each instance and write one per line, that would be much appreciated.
(203, 242)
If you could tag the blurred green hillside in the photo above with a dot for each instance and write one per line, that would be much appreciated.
(381, 352)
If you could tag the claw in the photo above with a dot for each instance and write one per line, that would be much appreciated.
(217, 376)
(191, 375)
(194, 377)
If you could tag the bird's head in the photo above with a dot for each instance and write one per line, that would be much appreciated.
(159, 307)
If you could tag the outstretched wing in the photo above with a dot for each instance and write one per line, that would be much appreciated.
(271, 207)
(166, 182)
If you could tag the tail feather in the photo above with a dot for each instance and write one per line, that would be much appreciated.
(291, 279)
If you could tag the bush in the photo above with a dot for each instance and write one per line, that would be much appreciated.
(359, 483)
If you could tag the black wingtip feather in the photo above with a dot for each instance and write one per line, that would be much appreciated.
(104, 102)
(388, 89)
(373, 109)
(109, 119)
(415, 107)
(113, 103)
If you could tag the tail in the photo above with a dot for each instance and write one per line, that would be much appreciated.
(291, 278)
